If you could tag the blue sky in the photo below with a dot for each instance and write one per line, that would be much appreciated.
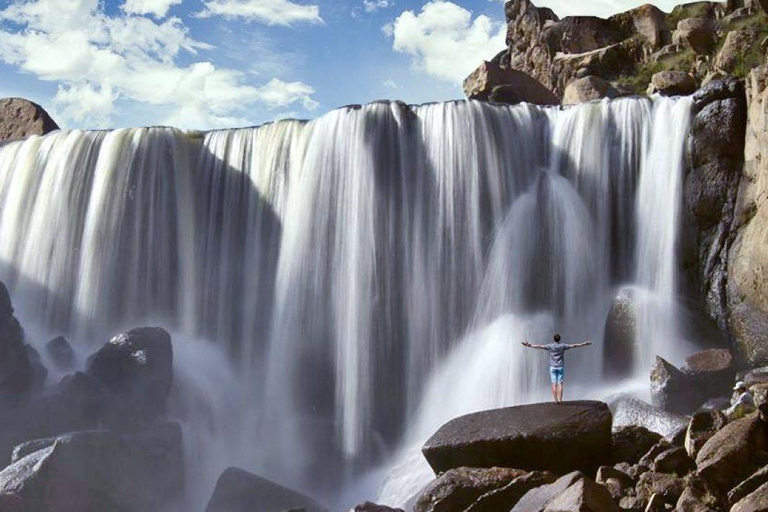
(224, 63)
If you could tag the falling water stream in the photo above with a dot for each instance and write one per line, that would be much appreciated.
(339, 288)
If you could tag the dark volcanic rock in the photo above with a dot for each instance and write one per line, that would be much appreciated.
(137, 367)
(631, 442)
(16, 372)
(20, 118)
(373, 507)
(238, 490)
(97, 471)
(715, 156)
(574, 435)
(458, 488)
(507, 496)
(733, 453)
(61, 353)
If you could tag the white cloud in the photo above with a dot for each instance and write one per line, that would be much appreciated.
(391, 84)
(98, 60)
(444, 41)
(157, 8)
(375, 5)
(271, 12)
(277, 94)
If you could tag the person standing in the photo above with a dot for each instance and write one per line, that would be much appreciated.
(557, 362)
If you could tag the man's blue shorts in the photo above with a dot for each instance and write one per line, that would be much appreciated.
(556, 375)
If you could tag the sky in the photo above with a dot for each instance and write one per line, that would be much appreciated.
(206, 64)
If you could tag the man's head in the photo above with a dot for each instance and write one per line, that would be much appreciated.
(740, 387)
(557, 337)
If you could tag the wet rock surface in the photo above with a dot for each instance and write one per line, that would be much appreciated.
(574, 435)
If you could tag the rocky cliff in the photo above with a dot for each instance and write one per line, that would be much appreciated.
(20, 118)
(638, 51)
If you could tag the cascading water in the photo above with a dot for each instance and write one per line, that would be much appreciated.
(339, 288)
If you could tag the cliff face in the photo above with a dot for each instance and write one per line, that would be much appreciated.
(748, 256)
(643, 50)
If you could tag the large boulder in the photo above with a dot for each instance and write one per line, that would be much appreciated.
(702, 427)
(620, 340)
(672, 389)
(238, 490)
(20, 118)
(458, 488)
(97, 471)
(672, 83)
(589, 88)
(546, 436)
(631, 411)
(699, 34)
(137, 368)
(631, 442)
(713, 371)
(747, 280)
(748, 486)
(757, 501)
(715, 155)
(504, 498)
(537, 499)
(733, 453)
(61, 353)
(16, 372)
(490, 82)
(583, 496)
(737, 44)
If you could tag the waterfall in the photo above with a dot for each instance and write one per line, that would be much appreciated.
(364, 276)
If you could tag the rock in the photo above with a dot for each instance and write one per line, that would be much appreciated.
(656, 450)
(697, 498)
(696, 33)
(490, 82)
(631, 442)
(674, 460)
(715, 152)
(630, 411)
(238, 490)
(16, 372)
(733, 453)
(137, 368)
(656, 504)
(605, 473)
(759, 393)
(702, 427)
(573, 435)
(649, 22)
(668, 487)
(747, 281)
(672, 390)
(583, 496)
(757, 501)
(20, 118)
(737, 44)
(73, 404)
(748, 486)
(373, 507)
(713, 368)
(39, 371)
(537, 499)
(95, 471)
(61, 353)
(672, 83)
(620, 340)
(504, 498)
(755, 376)
(587, 89)
(458, 488)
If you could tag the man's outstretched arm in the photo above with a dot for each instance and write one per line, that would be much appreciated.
(530, 345)
(585, 344)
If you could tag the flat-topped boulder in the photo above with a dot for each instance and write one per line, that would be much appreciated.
(560, 438)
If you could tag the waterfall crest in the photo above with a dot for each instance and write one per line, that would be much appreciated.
(368, 272)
